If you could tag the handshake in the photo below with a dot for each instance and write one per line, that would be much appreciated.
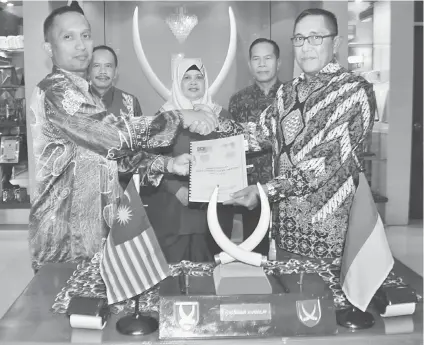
(199, 120)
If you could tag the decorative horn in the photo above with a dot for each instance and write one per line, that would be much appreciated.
(254, 259)
(146, 68)
(258, 234)
(232, 47)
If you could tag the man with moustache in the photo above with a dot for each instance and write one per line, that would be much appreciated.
(246, 106)
(316, 127)
(79, 148)
(102, 74)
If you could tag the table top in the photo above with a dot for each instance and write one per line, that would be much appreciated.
(29, 320)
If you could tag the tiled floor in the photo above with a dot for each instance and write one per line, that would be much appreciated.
(15, 271)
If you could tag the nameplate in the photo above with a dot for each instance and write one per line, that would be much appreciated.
(245, 312)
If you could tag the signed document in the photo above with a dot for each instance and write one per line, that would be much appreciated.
(219, 162)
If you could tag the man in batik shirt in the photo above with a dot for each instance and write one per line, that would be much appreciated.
(316, 126)
(102, 73)
(246, 106)
(79, 147)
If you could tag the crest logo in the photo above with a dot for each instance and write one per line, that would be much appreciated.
(309, 312)
(186, 315)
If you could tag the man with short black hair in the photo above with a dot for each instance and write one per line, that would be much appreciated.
(246, 106)
(102, 73)
(79, 148)
(316, 126)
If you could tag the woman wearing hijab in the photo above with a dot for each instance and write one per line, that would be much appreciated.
(181, 227)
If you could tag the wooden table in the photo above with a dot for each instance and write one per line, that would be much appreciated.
(29, 320)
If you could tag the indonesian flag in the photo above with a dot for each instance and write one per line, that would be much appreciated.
(367, 259)
(132, 260)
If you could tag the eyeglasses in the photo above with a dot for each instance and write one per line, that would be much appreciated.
(314, 40)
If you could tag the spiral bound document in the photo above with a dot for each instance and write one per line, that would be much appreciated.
(219, 162)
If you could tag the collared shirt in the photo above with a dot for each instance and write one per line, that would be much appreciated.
(246, 106)
(316, 129)
(78, 149)
(119, 102)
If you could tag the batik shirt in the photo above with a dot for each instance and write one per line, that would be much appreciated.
(316, 129)
(78, 149)
(246, 106)
(126, 105)
(119, 102)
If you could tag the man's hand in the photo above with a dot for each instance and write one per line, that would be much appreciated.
(247, 197)
(199, 121)
(182, 195)
(180, 165)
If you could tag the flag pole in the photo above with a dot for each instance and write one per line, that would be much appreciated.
(138, 323)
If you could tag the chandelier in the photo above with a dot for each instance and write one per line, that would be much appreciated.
(181, 24)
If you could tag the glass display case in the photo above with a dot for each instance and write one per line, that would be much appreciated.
(369, 56)
(13, 132)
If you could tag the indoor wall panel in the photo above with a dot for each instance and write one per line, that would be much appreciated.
(209, 40)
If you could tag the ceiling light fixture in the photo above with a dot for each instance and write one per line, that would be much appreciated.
(181, 23)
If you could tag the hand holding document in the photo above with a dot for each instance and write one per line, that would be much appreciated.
(219, 162)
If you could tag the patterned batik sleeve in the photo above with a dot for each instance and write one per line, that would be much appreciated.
(228, 128)
(258, 135)
(151, 167)
(261, 134)
(104, 133)
(332, 150)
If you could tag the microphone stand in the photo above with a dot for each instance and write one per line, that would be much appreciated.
(138, 323)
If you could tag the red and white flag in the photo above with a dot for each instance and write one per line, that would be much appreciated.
(367, 258)
(132, 260)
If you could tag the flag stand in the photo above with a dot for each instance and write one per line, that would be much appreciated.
(137, 323)
(355, 319)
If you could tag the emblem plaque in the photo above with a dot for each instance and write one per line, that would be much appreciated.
(186, 314)
(309, 312)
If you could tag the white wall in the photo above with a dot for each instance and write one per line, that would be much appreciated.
(400, 112)
(340, 10)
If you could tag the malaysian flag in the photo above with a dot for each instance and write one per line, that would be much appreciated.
(132, 260)
(367, 259)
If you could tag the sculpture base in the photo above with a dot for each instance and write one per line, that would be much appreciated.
(237, 278)
(199, 312)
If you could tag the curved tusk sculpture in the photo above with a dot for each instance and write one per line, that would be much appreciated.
(258, 234)
(232, 47)
(224, 242)
(145, 66)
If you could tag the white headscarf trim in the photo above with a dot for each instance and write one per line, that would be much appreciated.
(178, 100)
